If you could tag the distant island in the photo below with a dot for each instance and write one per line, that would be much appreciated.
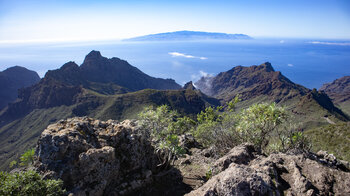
(189, 36)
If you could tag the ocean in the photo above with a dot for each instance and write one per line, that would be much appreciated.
(307, 62)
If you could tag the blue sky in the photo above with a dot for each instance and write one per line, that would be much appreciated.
(22, 21)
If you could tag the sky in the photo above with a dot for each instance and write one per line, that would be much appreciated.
(80, 20)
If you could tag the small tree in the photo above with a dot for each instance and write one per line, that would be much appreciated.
(163, 126)
(259, 122)
(216, 126)
(27, 157)
(208, 124)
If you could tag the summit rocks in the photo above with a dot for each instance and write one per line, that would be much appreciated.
(95, 157)
(245, 172)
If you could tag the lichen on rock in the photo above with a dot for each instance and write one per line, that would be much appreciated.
(95, 157)
(244, 172)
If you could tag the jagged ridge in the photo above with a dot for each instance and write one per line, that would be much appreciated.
(263, 84)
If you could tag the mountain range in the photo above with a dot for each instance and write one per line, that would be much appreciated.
(106, 88)
(102, 88)
(189, 36)
(262, 83)
(339, 92)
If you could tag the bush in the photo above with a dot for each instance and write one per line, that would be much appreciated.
(259, 122)
(289, 137)
(163, 126)
(217, 127)
(29, 183)
(27, 157)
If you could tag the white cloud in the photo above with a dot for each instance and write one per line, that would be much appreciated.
(290, 65)
(331, 43)
(199, 75)
(178, 54)
(204, 74)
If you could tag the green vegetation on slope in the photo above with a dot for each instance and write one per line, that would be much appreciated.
(23, 133)
(260, 124)
(332, 138)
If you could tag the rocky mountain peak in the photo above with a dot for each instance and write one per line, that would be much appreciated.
(189, 85)
(267, 66)
(92, 56)
(70, 65)
(250, 82)
(11, 80)
(15, 69)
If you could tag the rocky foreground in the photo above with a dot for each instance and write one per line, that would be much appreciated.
(95, 157)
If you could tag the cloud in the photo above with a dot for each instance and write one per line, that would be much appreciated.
(178, 54)
(199, 75)
(282, 42)
(290, 65)
(331, 43)
(204, 74)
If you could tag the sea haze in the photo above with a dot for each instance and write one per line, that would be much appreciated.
(307, 62)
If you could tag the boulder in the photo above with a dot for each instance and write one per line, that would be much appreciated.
(244, 172)
(95, 157)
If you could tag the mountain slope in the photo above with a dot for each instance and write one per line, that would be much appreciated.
(101, 88)
(339, 92)
(188, 36)
(65, 86)
(22, 133)
(108, 76)
(263, 84)
(13, 79)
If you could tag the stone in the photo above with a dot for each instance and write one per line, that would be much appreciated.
(95, 157)
(244, 172)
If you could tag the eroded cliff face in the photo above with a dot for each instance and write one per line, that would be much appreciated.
(95, 157)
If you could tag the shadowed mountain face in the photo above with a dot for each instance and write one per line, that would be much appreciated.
(65, 86)
(263, 84)
(339, 92)
(13, 79)
(108, 76)
(101, 88)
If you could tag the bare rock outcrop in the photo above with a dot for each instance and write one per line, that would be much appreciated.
(95, 157)
(244, 172)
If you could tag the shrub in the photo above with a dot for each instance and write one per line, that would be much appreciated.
(259, 122)
(163, 126)
(13, 164)
(27, 157)
(29, 183)
(217, 127)
(289, 137)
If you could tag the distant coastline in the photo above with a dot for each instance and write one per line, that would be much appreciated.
(189, 36)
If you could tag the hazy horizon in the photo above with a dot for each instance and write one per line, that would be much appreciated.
(47, 21)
